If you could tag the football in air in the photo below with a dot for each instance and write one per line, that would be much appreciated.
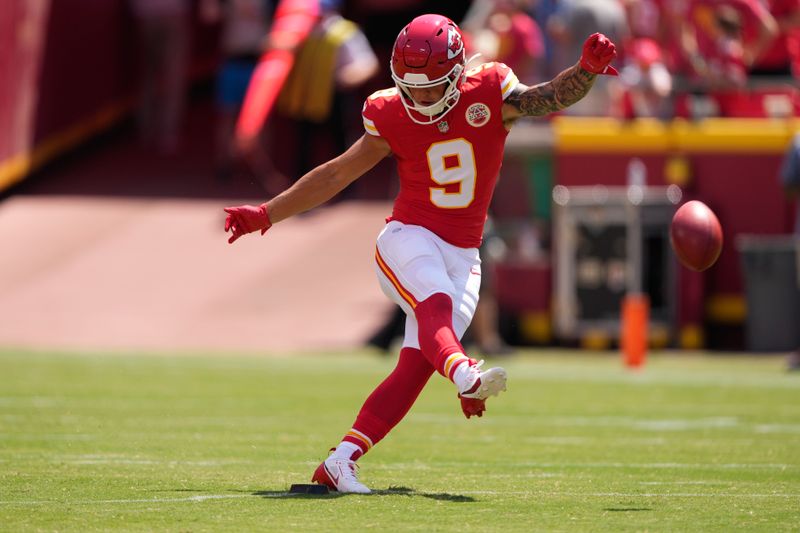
(696, 235)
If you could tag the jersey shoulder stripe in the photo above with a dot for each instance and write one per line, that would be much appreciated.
(372, 107)
(509, 83)
(500, 74)
(369, 127)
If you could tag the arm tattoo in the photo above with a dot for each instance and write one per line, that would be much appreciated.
(562, 91)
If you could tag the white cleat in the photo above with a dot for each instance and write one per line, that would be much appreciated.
(484, 384)
(340, 475)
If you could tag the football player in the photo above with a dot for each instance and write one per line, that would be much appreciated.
(446, 127)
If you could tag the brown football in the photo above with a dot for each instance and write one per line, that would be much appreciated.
(696, 235)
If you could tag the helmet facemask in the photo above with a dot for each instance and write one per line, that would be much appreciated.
(435, 111)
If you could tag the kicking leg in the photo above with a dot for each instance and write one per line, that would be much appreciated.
(441, 345)
(437, 286)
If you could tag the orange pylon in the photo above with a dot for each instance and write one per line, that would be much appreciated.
(635, 322)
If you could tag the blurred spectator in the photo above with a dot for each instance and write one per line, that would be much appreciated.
(645, 18)
(164, 42)
(332, 63)
(659, 21)
(541, 11)
(575, 19)
(719, 40)
(646, 81)
(502, 30)
(484, 329)
(790, 179)
(245, 27)
(784, 52)
(790, 176)
(731, 32)
(719, 61)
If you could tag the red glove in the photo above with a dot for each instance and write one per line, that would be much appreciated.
(244, 219)
(598, 51)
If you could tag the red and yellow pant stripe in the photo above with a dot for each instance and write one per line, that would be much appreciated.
(404, 293)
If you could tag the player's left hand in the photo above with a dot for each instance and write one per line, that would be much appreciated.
(598, 51)
(244, 219)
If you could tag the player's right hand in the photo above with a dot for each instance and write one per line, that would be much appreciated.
(598, 51)
(244, 219)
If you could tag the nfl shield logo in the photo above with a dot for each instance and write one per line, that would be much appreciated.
(443, 126)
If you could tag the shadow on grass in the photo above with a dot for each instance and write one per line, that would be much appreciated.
(391, 491)
(441, 496)
(285, 494)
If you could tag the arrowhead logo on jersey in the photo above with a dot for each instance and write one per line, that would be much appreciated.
(454, 43)
(443, 126)
(478, 114)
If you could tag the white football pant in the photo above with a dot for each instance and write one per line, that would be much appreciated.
(413, 263)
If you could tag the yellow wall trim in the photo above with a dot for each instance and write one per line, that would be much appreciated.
(725, 135)
(18, 167)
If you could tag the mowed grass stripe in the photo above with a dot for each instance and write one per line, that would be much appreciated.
(557, 494)
(212, 443)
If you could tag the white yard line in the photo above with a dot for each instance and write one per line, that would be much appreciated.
(533, 464)
(635, 494)
(187, 499)
(539, 494)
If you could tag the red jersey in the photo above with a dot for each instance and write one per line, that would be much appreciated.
(448, 169)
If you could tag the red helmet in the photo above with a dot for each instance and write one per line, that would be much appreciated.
(429, 51)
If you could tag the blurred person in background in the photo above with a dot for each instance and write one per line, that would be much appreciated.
(646, 18)
(446, 128)
(484, 330)
(790, 179)
(721, 37)
(575, 19)
(320, 93)
(502, 30)
(164, 38)
(541, 11)
(245, 28)
(646, 81)
(719, 40)
(782, 57)
(659, 21)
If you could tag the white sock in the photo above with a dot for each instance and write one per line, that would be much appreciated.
(345, 450)
(463, 377)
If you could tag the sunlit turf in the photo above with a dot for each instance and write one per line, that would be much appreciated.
(578, 443)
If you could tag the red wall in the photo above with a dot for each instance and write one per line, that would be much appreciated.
(88, 62)
(62, 63)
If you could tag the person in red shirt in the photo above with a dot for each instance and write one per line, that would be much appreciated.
(704, 36)
(446, 127)
(784, 52)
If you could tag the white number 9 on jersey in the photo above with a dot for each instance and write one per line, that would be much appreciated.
(452, 162)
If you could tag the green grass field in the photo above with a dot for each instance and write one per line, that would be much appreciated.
(203, 443)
